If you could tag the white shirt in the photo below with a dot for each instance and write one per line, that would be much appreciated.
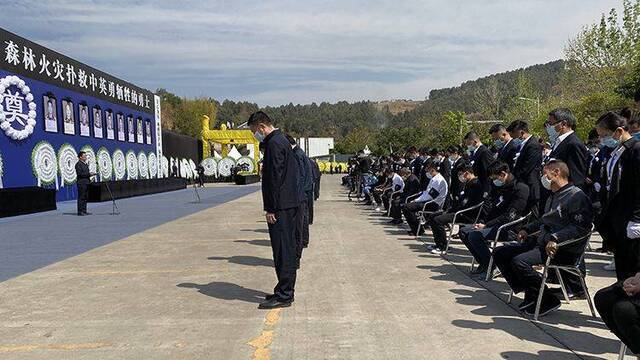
(611, 164)
(397, 183)
(437, 184)
(561, 139)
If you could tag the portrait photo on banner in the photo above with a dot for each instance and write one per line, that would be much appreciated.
(120, 123)
(131, 129)
(83, 110)
(68, 120)
(140, 130)
(97, 122)
(147, 127)
(50, 113)
(109, 116)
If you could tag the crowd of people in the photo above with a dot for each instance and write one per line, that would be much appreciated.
(521, 202)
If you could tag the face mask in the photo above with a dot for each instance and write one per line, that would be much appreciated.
(517, 141)
(636, 136)
(462, 179)
(498, 182)
(429, 176)
(546, 182)
(471, 148)
(453, 159)
(594, 150)
(553, 134)
(499, 143)
(610, 142)
(258, 135)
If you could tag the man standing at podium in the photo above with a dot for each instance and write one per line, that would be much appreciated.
(84, 178)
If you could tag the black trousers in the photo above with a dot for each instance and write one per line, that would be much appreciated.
(302, 229)
(410, 212)
(396, 207)
(82, 197)
(283, 245)
(621, 314)
(438, 224)
(310, 202)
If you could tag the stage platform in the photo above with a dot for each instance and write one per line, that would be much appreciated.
(99, 191)
(29, 242)
(26, 200)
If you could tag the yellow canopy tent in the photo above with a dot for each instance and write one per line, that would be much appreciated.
(227, 138)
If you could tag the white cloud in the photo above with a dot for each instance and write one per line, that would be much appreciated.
(278, 52)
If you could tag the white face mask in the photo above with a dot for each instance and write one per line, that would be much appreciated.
(546, 182)
(258, 135)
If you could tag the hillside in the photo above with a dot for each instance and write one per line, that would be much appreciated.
(395, 107)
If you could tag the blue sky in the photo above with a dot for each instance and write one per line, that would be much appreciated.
(276, 52)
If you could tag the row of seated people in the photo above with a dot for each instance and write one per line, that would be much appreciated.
(506, 205)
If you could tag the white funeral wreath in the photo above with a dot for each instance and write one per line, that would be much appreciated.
(5, 123)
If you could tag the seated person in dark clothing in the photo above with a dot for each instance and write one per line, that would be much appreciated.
(433, 197)
(471, 194)
(411, 187)
(396, 183)
(506, 202)
(568, 215)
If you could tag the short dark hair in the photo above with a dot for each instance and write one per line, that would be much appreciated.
(612, 121)
(496, 128)
(626, 113)
(466, 167)
(412, 149)
(560, 165)
(471, 135)
(259, 117)
(453, 149)
(593, 135)
(518, 125)
(430, 164)
(496, 167)
(405, 171)
(292, 141)
(564, 115)
(636, 95)
(81, 153)
(424, 150)
(434, 152)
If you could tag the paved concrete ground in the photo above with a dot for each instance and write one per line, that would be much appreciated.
(189, 289)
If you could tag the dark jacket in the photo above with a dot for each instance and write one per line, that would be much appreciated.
(528, 167)
(508, 153)
(480, 161)
(305, 173)
(454, 186)
(470, 195)
(279, 174)
(83, 173)
(573, 152)
(444, 168)
(316, 178)
(505, 203)
(416, 166)
(568, 215)
(411, 186)
(623, 205)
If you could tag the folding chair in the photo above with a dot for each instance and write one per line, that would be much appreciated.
(572, 269)
(494, 243)
(422, 220)
(454, 223)
(393, 193)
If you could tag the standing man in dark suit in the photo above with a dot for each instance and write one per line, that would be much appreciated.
(480, 158)
(507, 148)
(527, 164)
(454, 157)
(566, 146)
(281, 204)
(84, 179)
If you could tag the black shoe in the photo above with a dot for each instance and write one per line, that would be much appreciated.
(82, 214)
(87, 213)
(478, 271)
(528, 302)
(549, 304)
(395, 222)
(270, 296)
(572, 296)
(274, 303)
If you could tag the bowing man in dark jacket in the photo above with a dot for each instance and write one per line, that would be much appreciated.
(469, 195)
(411, 187)
(480, 158)
(506, 202)
(83, 175)
(619, 304)
(566, 146)
(502, 140)
(454, 157)
(527, 164)
(568, 215)
(305, 192)
(315, 170)
(281, 202)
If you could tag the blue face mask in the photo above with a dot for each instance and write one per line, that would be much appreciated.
(610, 142)
(636, 136)
(517, 142)
(471, 148)
(498, 183)
(551, 131)
(499, 143)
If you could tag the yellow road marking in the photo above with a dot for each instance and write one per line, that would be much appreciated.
(262, 342)
(31, 347)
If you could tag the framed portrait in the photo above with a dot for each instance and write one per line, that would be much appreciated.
(83, 111)
(97, 123)
(147, 131)
(131, 129)
(120, 127)
(68, 120)
(50, 113)
(108, 115)
(140, 131)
